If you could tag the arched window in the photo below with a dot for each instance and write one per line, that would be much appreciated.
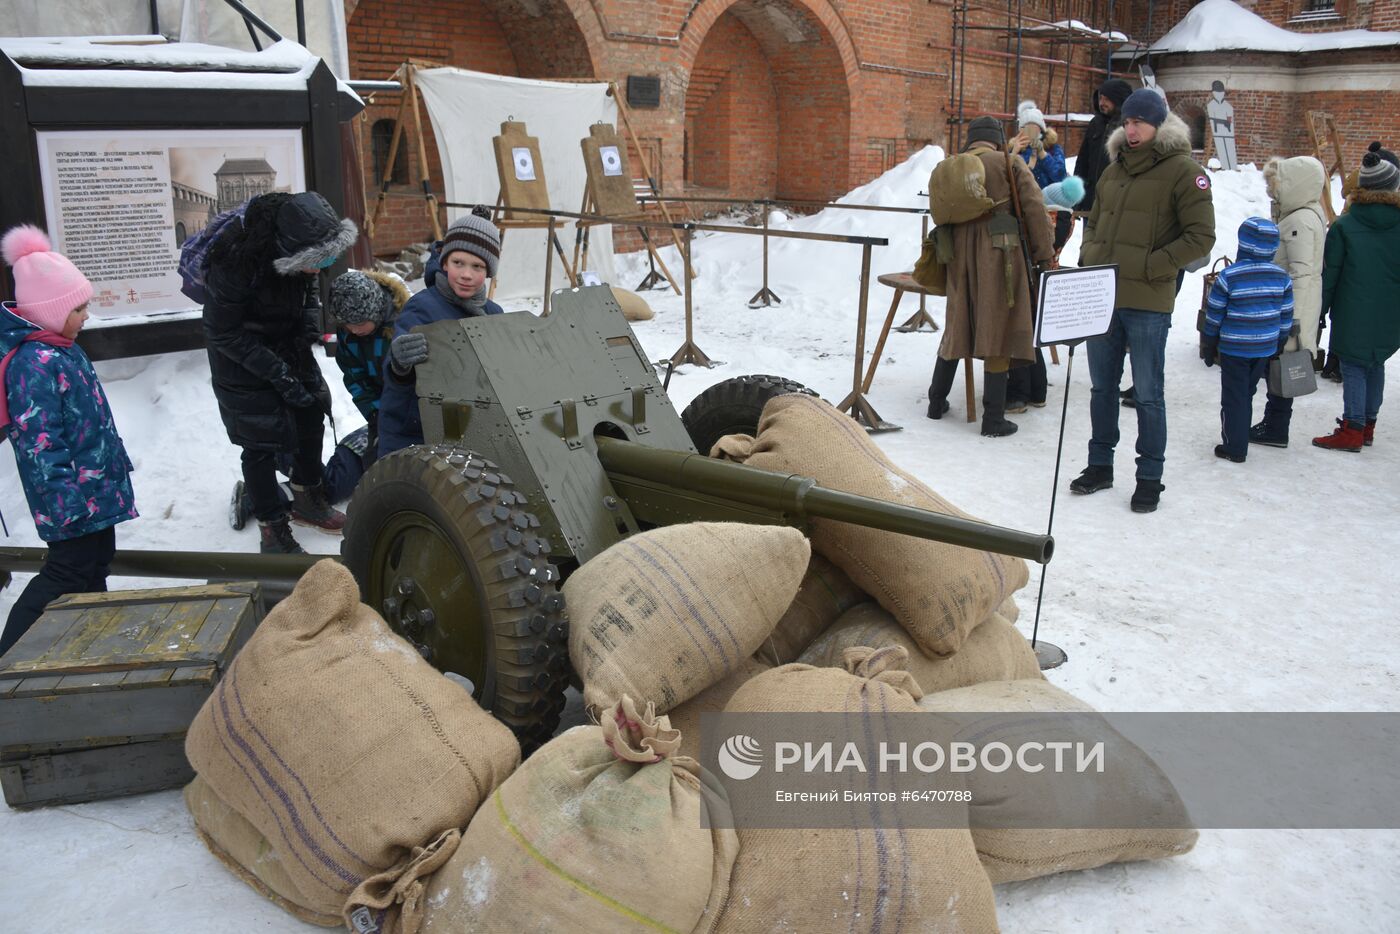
(180, 235)
(1195, 119)
(381, 135)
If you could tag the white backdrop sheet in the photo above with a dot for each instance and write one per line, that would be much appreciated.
(467, 109)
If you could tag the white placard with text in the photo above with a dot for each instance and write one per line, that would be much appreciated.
(1075, 304)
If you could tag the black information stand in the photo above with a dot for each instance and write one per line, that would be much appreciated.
(1073, 305)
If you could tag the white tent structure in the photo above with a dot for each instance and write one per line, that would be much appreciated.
(467, 109)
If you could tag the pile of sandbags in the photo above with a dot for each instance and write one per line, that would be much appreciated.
(826, 592)
(938, 592)
(852, 879)
(350, 758)
(1134, 785)
(664, 614)
(993, 651)
(604, 829)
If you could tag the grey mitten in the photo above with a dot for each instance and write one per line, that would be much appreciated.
(406, 352)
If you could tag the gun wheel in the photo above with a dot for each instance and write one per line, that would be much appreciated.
(733, 407)
(444, 550)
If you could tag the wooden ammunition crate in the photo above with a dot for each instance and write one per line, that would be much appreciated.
(95, 699)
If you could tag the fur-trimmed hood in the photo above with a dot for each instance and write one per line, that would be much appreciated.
(395, 286)
(1173, 138)
(1364, 205)
(1295, 183)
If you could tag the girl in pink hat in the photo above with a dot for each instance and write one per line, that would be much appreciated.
(72, 463)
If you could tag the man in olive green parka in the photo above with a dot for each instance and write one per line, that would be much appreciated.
(1152, 216)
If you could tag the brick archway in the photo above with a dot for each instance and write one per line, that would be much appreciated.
(768, 99)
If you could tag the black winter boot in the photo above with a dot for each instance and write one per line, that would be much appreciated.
(310, 507)
(1094, 478)
(1332, 369)
(277, 537)
(994, 423)
(944, 372)
(1147, 495)
(1267, 434)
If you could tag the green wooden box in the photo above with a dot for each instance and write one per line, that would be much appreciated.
(95, 699)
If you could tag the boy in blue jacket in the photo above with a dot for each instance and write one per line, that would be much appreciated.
(1249, 314)
(72, 463)
(454, 288)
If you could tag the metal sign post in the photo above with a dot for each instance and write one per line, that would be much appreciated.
(1073, 305)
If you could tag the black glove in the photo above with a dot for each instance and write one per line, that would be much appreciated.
(406, 352)
(1282, 345)
(293, 392)
(1210, 347)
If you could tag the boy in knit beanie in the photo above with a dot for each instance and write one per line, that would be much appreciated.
(1360, 279)
(454, 282)
(1249, 314)
(72, 463)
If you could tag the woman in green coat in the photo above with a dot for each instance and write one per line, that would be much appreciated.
(1361, 291)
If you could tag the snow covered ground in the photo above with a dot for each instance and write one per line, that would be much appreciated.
(1255, 587)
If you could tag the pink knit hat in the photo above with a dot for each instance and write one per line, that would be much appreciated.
(47, 285)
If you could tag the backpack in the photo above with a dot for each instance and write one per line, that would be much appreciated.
(194, 253)
(957, 190)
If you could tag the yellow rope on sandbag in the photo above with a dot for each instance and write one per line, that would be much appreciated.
(579, 884)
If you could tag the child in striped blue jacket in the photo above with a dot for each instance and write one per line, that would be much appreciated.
(1249, 314)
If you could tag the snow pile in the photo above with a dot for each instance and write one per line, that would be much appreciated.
(123, 52)
(1219, 25)
(1215, 602)
(282, 66)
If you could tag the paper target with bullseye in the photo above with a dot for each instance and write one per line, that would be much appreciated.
(612, 160)
(524, 163)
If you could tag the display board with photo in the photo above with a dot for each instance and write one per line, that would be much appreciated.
(120, 203)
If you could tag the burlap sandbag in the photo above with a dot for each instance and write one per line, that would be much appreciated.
(994, 651)
(892, 879)
(341, 745)
(685, 718)
(825, 594)
(938, 592)
(238, 845)
(665, 614)
(1010, 610)
(634, 307)
(599, 831)
(1140, 787)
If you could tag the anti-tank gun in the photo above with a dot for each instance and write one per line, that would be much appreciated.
(547, 441)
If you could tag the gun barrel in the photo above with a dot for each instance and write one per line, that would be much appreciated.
(801, 498)
(200, 565)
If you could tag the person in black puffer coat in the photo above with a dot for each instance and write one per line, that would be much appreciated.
(261, 319)
(1093, 154)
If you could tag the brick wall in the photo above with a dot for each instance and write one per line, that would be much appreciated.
(809, 98)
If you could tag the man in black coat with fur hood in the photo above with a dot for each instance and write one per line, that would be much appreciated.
(1093, 156)
(260, 322)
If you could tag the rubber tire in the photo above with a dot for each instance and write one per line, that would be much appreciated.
(477, 508)
(733, 407)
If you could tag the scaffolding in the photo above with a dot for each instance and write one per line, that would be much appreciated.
(1068, 29)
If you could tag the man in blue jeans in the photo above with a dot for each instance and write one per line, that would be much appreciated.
(1152, 216)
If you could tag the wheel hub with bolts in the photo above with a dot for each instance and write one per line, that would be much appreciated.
(443, 547)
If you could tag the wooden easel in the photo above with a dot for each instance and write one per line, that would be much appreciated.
(611, 194)
(410, 94)
(532, 192)
(1334, 164)
(621, 103)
